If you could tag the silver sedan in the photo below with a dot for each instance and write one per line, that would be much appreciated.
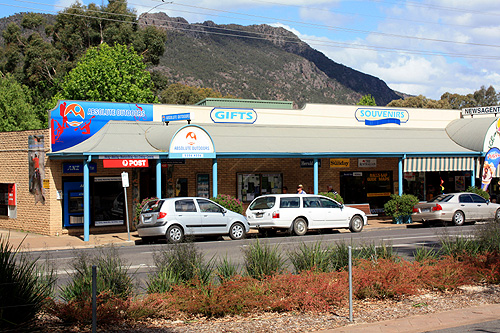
(457, 208)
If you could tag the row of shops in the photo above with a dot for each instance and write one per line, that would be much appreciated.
(71, 177)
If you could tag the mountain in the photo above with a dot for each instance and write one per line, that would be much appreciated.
(259, 62)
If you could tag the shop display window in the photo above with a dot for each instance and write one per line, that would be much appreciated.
(251, 185)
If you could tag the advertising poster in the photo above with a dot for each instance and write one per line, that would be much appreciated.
(489, 167)
(36, 161)
(72, 122)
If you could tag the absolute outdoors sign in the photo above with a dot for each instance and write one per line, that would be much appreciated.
(191, 141)
(125, 163)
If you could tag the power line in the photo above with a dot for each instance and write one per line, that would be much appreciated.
(263, 36)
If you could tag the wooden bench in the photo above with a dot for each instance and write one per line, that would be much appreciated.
(365, 207)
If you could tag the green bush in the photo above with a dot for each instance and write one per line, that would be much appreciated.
(229, 202)
(400, 205)
(24, 288)
(334, 196)
(138, 208)
(112, 276)
(176, 264)
(262, 260)
(310, 258)
(478, 191)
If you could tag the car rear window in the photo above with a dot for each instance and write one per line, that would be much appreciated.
(442, 198)
(293, 202)
(152, 206)
(263, 203)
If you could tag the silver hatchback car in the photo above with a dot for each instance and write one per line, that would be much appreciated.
(174, 218)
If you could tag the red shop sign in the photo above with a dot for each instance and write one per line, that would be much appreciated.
(12, 194)
(126, 163)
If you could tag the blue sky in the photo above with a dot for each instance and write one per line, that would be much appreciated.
(425, 47)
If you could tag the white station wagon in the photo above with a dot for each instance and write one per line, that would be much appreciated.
(174, 218)
(300, 212)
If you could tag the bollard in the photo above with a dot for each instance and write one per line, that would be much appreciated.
(350, 283)
(94, 299)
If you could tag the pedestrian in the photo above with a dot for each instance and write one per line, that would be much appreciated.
(285, 190)
(331, 190)
(300, 189)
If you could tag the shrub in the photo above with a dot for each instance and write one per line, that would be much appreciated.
(400, 205)
(262, 260)
(478, 191)
(310, 258)
(138, 208)
(226, 270)
(24, 288)
(112, 276)
(178, 263)
(334, 196)
(229, 202)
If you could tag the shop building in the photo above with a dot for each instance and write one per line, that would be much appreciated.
(68, 178)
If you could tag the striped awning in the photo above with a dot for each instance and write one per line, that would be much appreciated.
(416, 164)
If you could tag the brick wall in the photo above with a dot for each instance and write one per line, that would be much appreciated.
(14, 168)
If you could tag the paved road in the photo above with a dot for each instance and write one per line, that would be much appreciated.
(140, 257)
(488, 326)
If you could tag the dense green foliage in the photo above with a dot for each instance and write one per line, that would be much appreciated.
(23, 288)
(114, 74)
(16, 110)
(482, 97)
(400, 205)
(335, 196)
(478, 191)
(368, 100)
(229, 202)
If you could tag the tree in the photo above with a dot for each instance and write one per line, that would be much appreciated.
(178, 93)
(16, 110)
(115, 74)
(481, 97)
(419, 101)
(367, 100)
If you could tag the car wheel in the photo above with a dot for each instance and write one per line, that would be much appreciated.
(175, 234)
(237, 231)
(299, 226)
(458, 218)
(497, 215)
(356, 224)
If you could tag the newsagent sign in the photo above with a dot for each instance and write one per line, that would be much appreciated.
(191, 141)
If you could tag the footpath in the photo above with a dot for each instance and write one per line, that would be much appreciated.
(420, 323)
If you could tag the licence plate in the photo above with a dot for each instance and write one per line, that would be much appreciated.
(259, 215)
(425, 210)
(147, 219)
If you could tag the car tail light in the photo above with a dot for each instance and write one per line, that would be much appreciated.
(276, 214)
(162, 215)
(415, 209)
(437, 207)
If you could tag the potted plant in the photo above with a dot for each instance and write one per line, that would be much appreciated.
(400, 207)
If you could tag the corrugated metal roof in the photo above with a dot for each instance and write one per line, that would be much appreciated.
(239, 140)
(245, 103)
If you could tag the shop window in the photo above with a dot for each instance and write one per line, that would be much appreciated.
(4, 199)
(251, 185)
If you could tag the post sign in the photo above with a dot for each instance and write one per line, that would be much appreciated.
(176, 116)
(125, 163)
(340, 163)
(191, 141)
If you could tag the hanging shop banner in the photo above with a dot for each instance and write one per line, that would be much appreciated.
(489, 167)
(72, 122)
(36, 161)
(309, 162)
(191, 141)
(125, 163)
